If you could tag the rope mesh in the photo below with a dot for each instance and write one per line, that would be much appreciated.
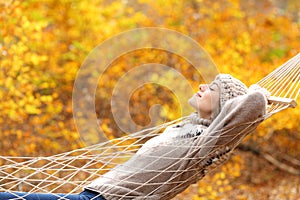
(68, 172)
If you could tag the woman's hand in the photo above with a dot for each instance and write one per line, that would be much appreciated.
(256, 87)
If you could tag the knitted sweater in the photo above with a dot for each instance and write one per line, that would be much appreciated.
(167, 164)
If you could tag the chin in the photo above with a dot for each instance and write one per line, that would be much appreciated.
(193, 102)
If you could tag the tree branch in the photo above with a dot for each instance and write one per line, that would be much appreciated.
(269, 158)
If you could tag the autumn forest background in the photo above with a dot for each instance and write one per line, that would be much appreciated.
(44, 43)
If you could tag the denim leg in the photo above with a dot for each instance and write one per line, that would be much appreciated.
(86, 195)
(27, 196)
(91, 195)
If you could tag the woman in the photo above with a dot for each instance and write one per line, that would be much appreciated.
(226, 111)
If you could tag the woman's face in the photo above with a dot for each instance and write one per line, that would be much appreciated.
(206, 99)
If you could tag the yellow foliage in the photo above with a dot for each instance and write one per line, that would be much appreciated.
(44, 43)
(30, 109)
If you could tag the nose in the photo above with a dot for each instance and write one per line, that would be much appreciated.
(202, 87)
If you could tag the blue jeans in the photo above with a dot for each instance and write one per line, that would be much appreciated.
(85, 195)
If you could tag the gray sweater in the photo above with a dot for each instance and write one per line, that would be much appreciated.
(167, 164)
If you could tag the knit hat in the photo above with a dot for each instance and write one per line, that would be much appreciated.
(230, 87)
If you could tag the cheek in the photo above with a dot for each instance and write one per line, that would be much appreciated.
(216, 99)
(208, 102)
(207, 99)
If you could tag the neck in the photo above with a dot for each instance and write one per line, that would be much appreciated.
(205, 115)
(196, 119)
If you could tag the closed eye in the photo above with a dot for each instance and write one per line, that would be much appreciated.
(213, 87)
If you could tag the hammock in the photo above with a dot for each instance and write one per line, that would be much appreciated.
(69, 172)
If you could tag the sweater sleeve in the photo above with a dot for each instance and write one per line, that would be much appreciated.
(239, 117)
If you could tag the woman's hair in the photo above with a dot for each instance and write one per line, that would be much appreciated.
(230, 88)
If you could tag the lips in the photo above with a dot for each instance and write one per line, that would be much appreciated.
(198, 94)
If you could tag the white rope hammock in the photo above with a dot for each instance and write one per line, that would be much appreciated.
(69, 172)
(284, 85)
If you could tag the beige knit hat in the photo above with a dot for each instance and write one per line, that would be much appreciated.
(230, 87)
